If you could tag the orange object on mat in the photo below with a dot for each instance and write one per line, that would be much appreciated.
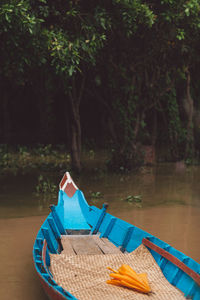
(126, 276)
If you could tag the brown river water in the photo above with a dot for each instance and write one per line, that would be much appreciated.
(168, 207)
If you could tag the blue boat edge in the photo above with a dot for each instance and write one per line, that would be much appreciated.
(73, 214)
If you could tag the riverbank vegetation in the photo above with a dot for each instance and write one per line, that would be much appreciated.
(25, 159)
(49, 158)
(121, 75)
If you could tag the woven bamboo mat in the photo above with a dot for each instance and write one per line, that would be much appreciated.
(84, 276)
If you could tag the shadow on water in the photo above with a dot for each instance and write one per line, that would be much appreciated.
(162, 200)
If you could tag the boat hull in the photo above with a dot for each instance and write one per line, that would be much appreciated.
(50, 291)
(73, 215)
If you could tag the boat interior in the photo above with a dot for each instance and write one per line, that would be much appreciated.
(81, 269)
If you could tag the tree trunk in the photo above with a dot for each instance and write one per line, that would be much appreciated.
(76, 125)
(44, 105)
(189, 150)
(75, 136)
(6, 120)
(75, 150)
(155, 128)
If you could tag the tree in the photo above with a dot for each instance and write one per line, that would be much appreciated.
(75, 32)
(155, 52)
(137, 58)
(19, 50)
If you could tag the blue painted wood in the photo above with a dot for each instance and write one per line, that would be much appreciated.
(177, 273)
(75, 213)
(47, 236)
(66, 293)
(196, 295)
(73, 216)
(117, 234)
(109, 227)
(91, 214)
(48, 258)
(99, 220)
(46, 276)
(53, 227)
(57, 220)
(163, 261)
(192, 289)
(136, 239)
(186, 282)
(127, 238)
(39, 243)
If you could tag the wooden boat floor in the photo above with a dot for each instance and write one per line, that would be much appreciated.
(87, 244)
(81, 269)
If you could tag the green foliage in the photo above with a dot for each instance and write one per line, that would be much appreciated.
(24, 160)
(132, 54)
(132, 14)
(46, 188)
(75, 38)
(4, 157)
(91, 154)
(44, 150)
(177, 132)
(136, 200)
(19, 28)
(18, 13)
(96, 195)
(129, 159)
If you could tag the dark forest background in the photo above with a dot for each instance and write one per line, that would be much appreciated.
(121, 75)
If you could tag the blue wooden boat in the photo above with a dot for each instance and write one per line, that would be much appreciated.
(73, 216)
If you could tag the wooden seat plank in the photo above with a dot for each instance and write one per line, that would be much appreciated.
(87, 244)
(111, 245)
(83, 244)
(106, 246)
(67, 246)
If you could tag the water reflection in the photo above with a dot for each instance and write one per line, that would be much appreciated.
(161, 185)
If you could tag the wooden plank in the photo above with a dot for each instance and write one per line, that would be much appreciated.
(111, 245)
(67, 247)
(105, 245)
(84, 245)
(80, 244)
(87, 244)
